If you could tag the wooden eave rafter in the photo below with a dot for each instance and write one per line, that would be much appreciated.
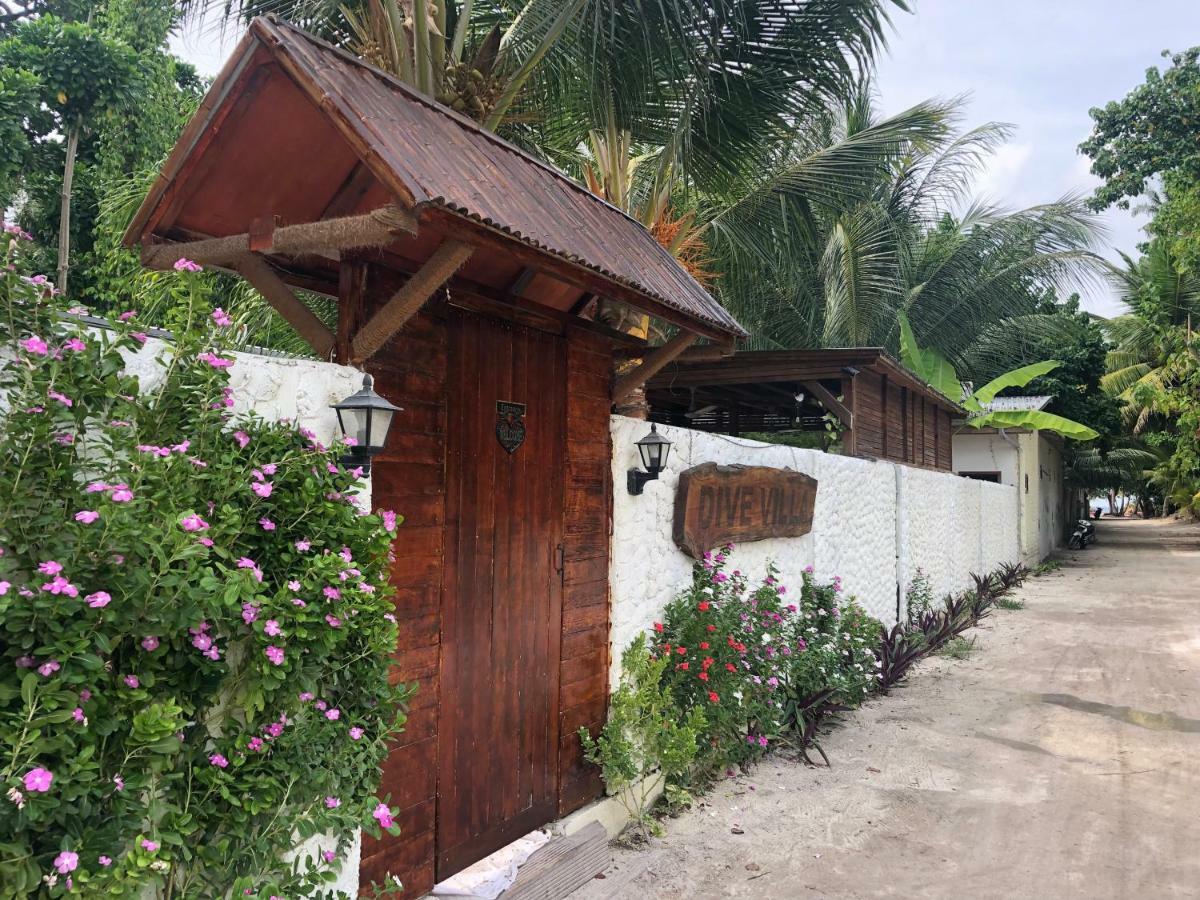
(651, 365)
(830, 402)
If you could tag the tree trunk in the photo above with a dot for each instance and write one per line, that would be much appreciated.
(64, 213)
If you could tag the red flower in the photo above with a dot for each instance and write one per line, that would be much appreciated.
(658, 627)
(683, 666)
(731, 667)
(708, 661)
(713, 698)
(703, 606)
(712, 627)
(704, 645)
(681, 650)
(703, 676)
(666, 648)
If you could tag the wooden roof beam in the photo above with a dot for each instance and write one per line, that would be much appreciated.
(652, 364)
(404, 304)
(377, 228)
(830, 402)
(258, 272)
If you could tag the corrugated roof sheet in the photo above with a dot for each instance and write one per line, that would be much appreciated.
(447, 160)
(1017, 404)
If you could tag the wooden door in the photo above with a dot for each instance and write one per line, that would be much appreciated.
(502, 599)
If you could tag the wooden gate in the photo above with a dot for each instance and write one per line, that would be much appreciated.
(502, 595)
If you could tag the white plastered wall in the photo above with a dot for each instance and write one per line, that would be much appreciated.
(874, 524)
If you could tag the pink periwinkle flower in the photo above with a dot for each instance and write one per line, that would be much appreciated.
(271, 628)
(221, 318)
(50, 567)
(119, 782)
(331, 593)
(356, 733)
(34, 345)
(383, 816)
(255, 744)
(150, 643)
(131, 681)
(389, 519)
(332, 802)
(186, 265)
(217, 362)
(87, 516)
(333, 621)
(105, 861)
(303, 546)
(78, 716)
(193, 522)
(149, 846)
(37, 781)
(61, 586)
(267, 524)
(121, 493)
(242, 438)
(61, 398)
(98, 599)
(262, 488)
(218, 760)
(24, 662)
(74, 344)
(328, 855)
(65, 862)
(48, 668)
(249, 612)
(140, 336)
(333, 714)
(274, 654)
(270, 469)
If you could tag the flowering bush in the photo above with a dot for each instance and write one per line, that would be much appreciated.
(194, 623)
(750, 655)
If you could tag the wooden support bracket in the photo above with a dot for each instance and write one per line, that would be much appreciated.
(258, 272)
(377, 228)
(405, 303)
(652, 363)
(830, 402)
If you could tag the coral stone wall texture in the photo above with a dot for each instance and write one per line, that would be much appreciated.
(874, 524)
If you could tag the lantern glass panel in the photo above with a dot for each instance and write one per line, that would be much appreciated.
(354, 423)
(378, 422)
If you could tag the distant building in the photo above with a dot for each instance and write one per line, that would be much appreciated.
(1031, 460)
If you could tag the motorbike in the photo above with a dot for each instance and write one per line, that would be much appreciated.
(1084, 534)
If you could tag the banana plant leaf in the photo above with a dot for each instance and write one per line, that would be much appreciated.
(928, 365)
(1016, 378)
(1034, 418)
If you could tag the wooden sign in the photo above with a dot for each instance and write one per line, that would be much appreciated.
(716, 505)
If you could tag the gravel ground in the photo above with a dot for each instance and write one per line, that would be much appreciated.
(1060, 759)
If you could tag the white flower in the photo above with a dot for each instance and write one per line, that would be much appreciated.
(160, 865)
(17, 798)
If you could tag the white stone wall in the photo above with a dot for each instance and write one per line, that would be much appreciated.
(874, 524)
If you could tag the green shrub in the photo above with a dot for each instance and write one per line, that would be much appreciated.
(195, 623)
(918, 599)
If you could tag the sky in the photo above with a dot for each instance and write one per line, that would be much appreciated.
(1038, 65)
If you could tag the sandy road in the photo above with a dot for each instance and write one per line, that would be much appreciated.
(1061, 759)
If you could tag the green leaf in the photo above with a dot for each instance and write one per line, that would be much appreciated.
(928, 365)
(1016, 378)
(1036, 419)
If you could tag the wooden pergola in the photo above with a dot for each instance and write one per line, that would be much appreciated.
(466, 274)
(886, 411)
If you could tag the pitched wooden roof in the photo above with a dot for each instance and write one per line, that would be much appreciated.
(430, 160)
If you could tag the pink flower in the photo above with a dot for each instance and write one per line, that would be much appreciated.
(262, 488)
(249, 612)
(274, 654)
(293, 585)
(50, 567)
(333, 714)
(104, 860)
(267, 524)
(150, 643)
(87, 516)
(271, 628)
(332, 802)
(118, 782)
(218, 760)
(96, 487)
(121, 494)
(215, 361)
(302, 546)
(356, 733)
(34, 345)
(383, 816)
(98, 600)
(77, 715)
(37, 781)
(331, 593)
(333, 621)
(126, 316)
(186, 265)
(270, 469)
(193, 522)
(66, 862)
(61, 398)
(389, 519)
(60, 585)
(255, 744)
(4, 586)
(204, 542)
(346, 555)
(48, 668)
(74, 344)
(140, 336)
(328, 855)
(274, 730)
(298, 603)
(149, 846)
(131, 681)
(242, 438)
(221, 318)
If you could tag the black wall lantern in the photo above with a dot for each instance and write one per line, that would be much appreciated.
(654, 449)
(365, 417)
